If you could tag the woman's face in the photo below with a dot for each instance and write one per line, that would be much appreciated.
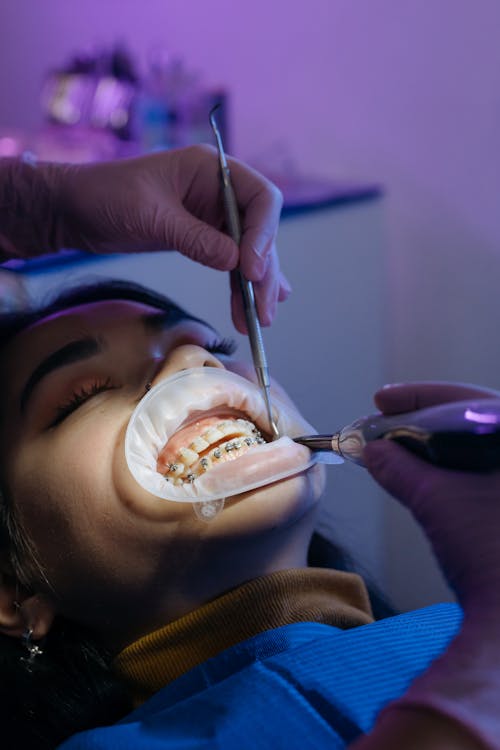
(117, 558)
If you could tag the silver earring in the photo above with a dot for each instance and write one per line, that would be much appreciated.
(32, 649)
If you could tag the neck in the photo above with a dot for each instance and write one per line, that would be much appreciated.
(291, 596)
(214, 569)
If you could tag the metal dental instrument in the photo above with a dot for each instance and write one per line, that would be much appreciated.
(463, 435)
(252, 320)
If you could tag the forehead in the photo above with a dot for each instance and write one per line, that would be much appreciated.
(62, 327)
(107, 312)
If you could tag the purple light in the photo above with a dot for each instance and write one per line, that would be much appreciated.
(475, 416)
(9, 146)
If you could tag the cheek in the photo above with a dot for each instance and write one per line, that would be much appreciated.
(141, 505)
(87, 455)
(82, 461)
(63, 491)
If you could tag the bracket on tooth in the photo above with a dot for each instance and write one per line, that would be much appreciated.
(234, 445)
(180, 471)
(174, 470)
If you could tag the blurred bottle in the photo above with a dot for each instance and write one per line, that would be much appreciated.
(174, 105)
(89, 107)
(96, 107)
(115, 93)
(67, 92)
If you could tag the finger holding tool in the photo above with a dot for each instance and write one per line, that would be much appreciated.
(251, 317)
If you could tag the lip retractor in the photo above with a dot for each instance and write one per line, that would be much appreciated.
(200, 436)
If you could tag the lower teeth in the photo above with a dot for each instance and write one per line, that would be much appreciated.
(173, 475)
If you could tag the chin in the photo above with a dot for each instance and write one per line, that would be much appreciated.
(279, 505)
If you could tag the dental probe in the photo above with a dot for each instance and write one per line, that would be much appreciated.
(251, 317)
(463, 435)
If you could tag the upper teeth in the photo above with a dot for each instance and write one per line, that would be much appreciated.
(184, 470)
(188, 456)
(213, 435)
(199, 444)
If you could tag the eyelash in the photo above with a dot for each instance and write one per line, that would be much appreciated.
(224, 346)
(79, 397)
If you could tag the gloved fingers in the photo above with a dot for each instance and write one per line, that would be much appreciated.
(459, 512)
(255, 251)
(434, 495)
(260, 204)
(285, 288)
(267, 291)
(402, 474)
(403, 397)
(272, 289)
(199, 241)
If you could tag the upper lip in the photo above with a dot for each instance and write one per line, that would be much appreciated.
(235, 395)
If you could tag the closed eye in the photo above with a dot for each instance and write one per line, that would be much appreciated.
(82, 394)
(225, 346)
(79, 397)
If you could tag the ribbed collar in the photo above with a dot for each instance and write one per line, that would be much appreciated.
(282, 598)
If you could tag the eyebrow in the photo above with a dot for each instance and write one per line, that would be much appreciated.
(82, 349)
(166, 318)
(75, 351)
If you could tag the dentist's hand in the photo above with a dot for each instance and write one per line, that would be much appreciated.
(162, 201)
(459, 511)
(454, 704)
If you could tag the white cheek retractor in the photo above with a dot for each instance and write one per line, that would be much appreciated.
(196, 438)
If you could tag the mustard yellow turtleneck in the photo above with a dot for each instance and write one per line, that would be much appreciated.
(282, 598)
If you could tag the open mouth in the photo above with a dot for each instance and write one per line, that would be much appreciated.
(184, 437)
(207, 440)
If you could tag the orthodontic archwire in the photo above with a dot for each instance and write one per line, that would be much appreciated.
(251, 317)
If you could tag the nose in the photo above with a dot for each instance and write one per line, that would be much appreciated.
(185, 357)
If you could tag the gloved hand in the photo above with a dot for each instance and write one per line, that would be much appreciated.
(165, 200)
(460, 514)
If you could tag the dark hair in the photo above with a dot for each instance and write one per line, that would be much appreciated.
(72, 686)
(12, 323)
(69, 688)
